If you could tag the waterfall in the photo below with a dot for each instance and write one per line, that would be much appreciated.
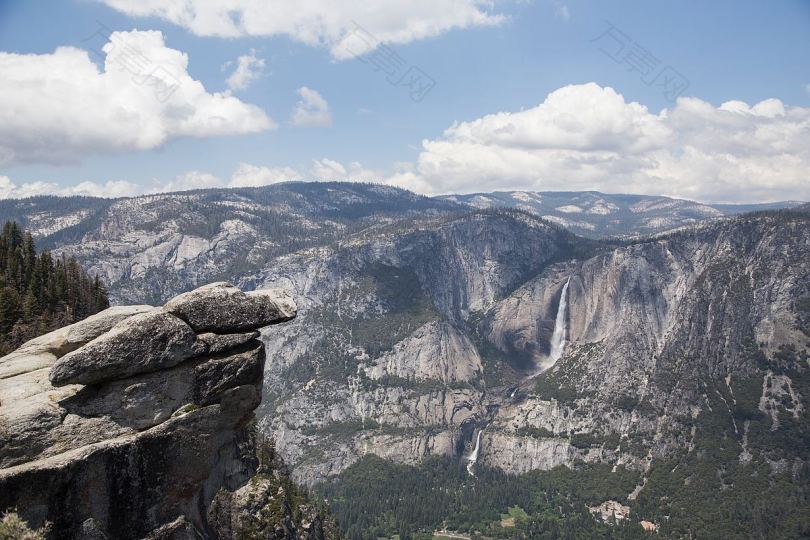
(560, 335)
(473, 458)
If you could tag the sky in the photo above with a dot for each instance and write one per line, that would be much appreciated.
(700, 100)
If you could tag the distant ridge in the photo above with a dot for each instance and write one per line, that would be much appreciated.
(598, 215)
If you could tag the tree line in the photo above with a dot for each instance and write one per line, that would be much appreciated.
(41, 292)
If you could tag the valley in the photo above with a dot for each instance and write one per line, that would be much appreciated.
(663, 367)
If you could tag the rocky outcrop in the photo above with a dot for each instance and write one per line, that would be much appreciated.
(221, 307)
(436, 351)
(43, 351)
(269, 506)
(128, 424)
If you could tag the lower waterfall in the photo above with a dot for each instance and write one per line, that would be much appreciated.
(473, 458)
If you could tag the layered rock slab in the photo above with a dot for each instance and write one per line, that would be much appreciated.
(147, 342)
(43, 351)
(221, 307)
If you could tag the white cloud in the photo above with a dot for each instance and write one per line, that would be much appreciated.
(58, 107)
(588, 137)
(187, 181)
(10, 190)
(112, 188)
(581, 137)
(312, 110)
(321, 23)
(328, 169)
(247, 175)
(244, 175)
(248, 69)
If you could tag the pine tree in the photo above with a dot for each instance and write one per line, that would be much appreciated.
(38, 294)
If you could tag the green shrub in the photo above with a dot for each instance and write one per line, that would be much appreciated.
(12, 527)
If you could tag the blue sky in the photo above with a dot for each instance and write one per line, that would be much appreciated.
(728, 50)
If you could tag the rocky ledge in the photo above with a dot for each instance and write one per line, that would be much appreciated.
(130, 423)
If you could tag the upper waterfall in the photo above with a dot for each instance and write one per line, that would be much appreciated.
(560, 335)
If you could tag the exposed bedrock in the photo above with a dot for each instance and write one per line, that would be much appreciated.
(127, 424)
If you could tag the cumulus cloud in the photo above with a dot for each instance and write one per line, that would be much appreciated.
(112, 188)
(320, 23)
(187, 181)
(328, 169)
(581, 137)
(10, 190)
(58, 107)
(244, 175)
(312, 110)
(588, 137)
(248, 68)
(247, 175)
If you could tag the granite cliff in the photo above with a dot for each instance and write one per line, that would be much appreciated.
(408, 344)
(138, 422)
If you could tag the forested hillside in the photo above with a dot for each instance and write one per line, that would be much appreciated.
(38, 292)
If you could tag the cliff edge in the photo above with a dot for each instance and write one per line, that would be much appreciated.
(133, 422)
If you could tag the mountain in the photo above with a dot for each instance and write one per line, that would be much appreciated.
(152, 247)
(594, 214)
(425, 336)
(686, 353)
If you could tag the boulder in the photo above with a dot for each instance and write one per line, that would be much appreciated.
(222, 308)
(42, 351)
(141, 344)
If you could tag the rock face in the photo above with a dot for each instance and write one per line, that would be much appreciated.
(269, 506)
(149, 249)
(407, 343)
(383, 358)
(43, 351)
(436, 351)
(128, 424)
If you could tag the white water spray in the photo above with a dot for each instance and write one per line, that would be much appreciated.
(560, 336)
(473, 458)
